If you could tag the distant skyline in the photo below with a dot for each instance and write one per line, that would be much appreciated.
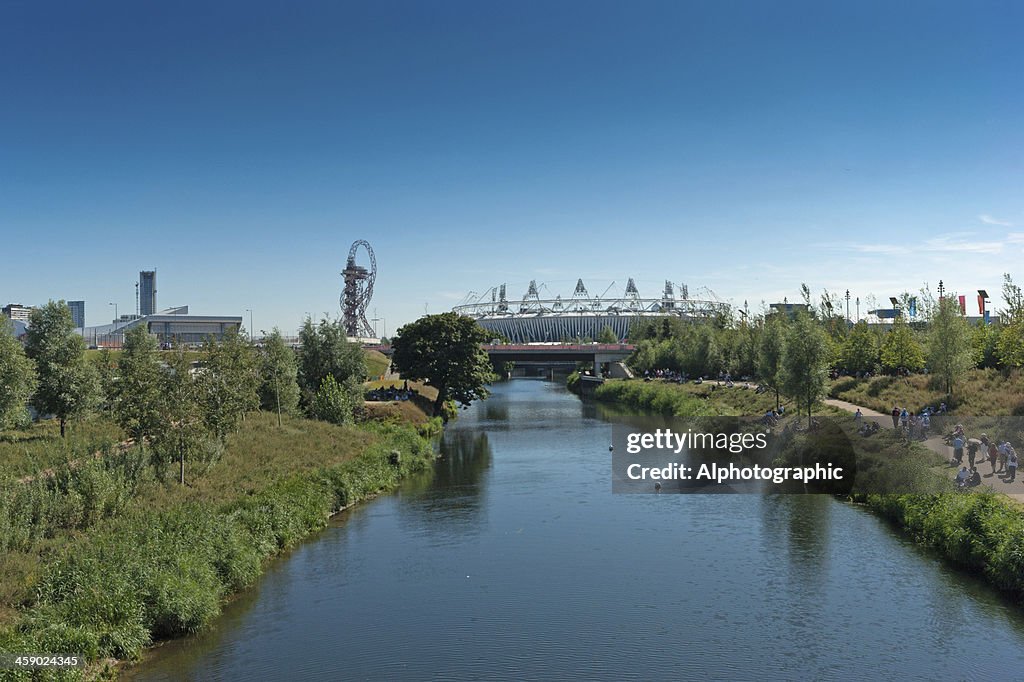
(240, 149)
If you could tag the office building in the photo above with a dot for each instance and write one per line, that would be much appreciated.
(77, 313)
(147, 292)
(17, 311)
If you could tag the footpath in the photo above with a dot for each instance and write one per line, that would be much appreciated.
(997, 481)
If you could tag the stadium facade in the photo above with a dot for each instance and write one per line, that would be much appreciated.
(581, 316)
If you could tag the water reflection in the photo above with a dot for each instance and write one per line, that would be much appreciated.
(451, 501)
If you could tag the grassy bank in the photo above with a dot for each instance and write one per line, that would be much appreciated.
(986, 392)
(981, 532)
(685, 400)
(103, 558)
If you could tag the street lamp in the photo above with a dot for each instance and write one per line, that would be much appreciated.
(847, 305)
(249, 310)
(115, 313)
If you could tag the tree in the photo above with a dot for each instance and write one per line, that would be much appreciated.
(135, 390)
(607, 335)
(326, 350)
(279, 388)
(445, 350)
(1010, 344)
(900, 350)
(334, 402)
(860, 351)
(805, 363)
(68, 385)
(17, 377)
(985, 342)
(181, 434)
(770, 350)
(229, 383)
(1014, 299)
(950, 353)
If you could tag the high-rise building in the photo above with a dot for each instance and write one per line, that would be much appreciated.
(147, 292)
(77, 313)
(17, 311)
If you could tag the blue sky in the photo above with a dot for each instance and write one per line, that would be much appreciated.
(240, 148)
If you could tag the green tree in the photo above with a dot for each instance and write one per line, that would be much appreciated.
(860, 352)
(326, 350)
(135, 389)
(229, 383)
(805, 362)
(445, 351)
(950, 353)
(1014, 299)
(985, 342)
(607, 335)
(900, 350)
(17, 377)
(1010, 344)
(279, 388)
(68, 385)
(770, 350)
(182, 434)
(334, 402)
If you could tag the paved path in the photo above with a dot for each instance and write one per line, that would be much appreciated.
(996, 481)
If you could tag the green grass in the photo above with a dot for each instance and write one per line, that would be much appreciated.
(40, 447)
(982, 392)
(686, 400)
(103, 558)
(376, 363)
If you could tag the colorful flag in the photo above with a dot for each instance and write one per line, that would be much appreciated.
(981, 304)
(963, 305)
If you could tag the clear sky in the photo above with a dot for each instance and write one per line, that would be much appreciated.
(241, 147)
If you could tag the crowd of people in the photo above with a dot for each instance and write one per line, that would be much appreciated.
(389, 393)
(1000, 455)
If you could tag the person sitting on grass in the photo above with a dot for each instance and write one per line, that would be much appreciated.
(962, 476)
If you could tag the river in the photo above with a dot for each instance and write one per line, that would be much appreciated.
(514, 560)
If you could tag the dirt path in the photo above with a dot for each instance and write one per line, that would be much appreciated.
(997, 481)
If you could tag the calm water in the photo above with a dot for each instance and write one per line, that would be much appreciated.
(515, 561)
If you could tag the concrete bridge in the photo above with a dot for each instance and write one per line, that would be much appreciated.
(607, 357)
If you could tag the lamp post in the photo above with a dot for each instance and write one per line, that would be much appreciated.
(249, 310)
(847, 305)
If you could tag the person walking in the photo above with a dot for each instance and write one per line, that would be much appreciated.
(895, 417)
(993, 455)
(1011, 465)
(958, 449)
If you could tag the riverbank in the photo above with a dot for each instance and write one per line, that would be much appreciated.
(104, 558)
(980, 531)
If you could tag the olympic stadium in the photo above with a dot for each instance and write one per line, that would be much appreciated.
(580, 316)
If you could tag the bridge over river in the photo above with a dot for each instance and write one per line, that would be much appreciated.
(605, 356)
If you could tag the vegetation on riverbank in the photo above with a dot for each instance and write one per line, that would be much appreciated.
(982, 532)
(171, 489)
(102, 558)
(988, 392)
(685, 400)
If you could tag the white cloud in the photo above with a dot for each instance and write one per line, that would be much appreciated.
(989, 220)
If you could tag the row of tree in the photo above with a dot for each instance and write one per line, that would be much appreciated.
(181, 405)
(794, 354)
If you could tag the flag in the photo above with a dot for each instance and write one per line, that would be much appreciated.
(963, 305)
(981, 304)
(913, 306)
